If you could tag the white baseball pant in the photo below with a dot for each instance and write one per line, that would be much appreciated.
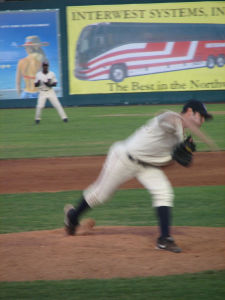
(42, 98)
(118, 169)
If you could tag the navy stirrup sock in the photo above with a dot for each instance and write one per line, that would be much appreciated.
(164, 214)
(80, 209)
(82, 206)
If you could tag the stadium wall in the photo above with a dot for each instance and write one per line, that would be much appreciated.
(99, 99)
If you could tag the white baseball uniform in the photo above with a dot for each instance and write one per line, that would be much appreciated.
(140, 156)
(45, 93)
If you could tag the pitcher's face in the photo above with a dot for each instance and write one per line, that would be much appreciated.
(196, 118)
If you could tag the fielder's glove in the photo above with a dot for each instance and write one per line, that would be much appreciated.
(36, 84)
(182, 153)
(48, 83)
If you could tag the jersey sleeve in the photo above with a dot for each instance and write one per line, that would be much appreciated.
(172, 123)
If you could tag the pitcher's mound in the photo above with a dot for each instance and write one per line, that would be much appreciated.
(107, 252)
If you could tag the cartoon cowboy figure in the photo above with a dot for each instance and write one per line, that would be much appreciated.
(28, 66)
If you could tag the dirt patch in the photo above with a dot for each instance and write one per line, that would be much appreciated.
(108, 252)
(104, 252)
(75, 173)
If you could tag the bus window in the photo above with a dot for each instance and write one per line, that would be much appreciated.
(84, 43)
(98, 44)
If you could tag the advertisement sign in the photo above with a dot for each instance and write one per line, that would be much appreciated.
(27, 38)
(146, 47)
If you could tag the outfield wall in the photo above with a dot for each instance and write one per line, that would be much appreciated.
(61, 22)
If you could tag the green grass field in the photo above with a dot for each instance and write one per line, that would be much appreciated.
(91, 131)
(39, 211)
(202, 286)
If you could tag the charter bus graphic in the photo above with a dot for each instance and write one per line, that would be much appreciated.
(118, 50)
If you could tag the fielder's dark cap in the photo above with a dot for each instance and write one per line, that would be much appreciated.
(45, 63)
(197, 106)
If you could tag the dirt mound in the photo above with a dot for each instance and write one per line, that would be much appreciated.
(108, 252)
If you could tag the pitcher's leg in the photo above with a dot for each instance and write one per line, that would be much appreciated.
(157, 183)
(114, 172)
(161, 190)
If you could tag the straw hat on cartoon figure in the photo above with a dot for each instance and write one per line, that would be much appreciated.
(33, 45)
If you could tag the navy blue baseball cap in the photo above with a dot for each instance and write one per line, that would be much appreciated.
(197, 106)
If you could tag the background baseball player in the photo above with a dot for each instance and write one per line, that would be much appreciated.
(46, 80)
(141, 155)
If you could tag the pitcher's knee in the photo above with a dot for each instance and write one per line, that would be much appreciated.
(94, 198)
(163, 200)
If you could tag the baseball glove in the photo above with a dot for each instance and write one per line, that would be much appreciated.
(182, 153)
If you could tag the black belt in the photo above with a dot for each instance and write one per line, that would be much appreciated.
(139, 162)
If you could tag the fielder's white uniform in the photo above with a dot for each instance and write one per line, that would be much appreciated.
(45, 93)
(140, 156)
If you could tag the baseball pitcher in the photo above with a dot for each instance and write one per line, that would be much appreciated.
(158, 143)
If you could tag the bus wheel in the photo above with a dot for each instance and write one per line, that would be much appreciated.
(118, 73)
(211, 61)
(220, 60)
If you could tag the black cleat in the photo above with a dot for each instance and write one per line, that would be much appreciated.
(167, 243)
(37, 121)
(70, 228)
(65, 120)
